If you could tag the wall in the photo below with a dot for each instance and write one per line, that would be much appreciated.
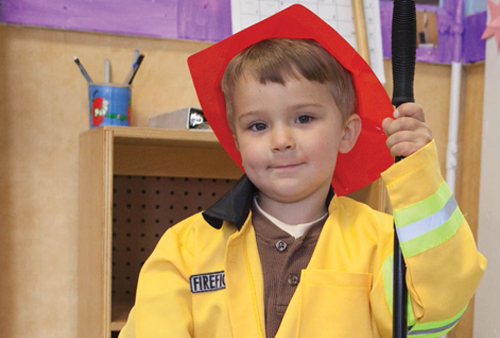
(44, 108)
(487, 321)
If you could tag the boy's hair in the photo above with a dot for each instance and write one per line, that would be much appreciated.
(277, 60)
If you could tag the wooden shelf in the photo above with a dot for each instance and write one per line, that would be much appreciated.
(119, 315)
(110, 151)
(161, 137)
(110, 154)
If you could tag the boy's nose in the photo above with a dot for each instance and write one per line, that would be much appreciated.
(282, 139)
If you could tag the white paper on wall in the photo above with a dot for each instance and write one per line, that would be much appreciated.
(337, 13)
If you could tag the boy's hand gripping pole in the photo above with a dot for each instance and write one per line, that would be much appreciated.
(403, 70)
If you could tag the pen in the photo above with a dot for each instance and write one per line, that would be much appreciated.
(133, 71)
(107, 71)
(136, 56)
(134, 62)
(84, 72)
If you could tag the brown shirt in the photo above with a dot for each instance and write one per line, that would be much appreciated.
(282, 258)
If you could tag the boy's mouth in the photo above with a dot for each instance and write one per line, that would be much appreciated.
(286, 166)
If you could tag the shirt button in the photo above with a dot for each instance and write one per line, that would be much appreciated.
(281, 246)
(293, 279)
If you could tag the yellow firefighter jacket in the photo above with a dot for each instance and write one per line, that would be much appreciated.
(206, 282)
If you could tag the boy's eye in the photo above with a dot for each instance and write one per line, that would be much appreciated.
(304, 119)
(258, 126)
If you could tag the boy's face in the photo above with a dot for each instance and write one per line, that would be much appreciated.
(289, 137)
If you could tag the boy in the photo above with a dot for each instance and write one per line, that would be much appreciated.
(282, 255)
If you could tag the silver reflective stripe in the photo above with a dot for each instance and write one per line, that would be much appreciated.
(429, 223)
(436, 330)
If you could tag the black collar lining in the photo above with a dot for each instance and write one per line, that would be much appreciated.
(235, 205)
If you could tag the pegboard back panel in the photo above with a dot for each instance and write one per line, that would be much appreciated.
(143, 209)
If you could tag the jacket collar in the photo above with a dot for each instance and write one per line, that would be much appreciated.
(235, 205)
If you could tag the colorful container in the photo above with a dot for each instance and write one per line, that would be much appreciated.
(109, 105)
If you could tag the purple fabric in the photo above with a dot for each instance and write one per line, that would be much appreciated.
(444, 51)
(205, 20)
(457, 29)
(210, 20)
(449, 44)
(474, 48)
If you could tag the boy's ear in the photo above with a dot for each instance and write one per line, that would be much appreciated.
(352, 129)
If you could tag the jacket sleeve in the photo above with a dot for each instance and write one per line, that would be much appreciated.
(163, 300)
(443, 265)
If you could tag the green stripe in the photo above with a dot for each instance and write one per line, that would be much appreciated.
(388, 287)
(435, 329)
(424, 208)
(435, 237)
(425, 330)
(387, 276)
(117, 117)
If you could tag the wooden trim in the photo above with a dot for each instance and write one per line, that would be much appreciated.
(91, 248)
(469, 167)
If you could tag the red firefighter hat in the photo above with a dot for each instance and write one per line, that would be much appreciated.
(369, 157)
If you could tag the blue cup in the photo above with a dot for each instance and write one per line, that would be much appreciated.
(110, 105)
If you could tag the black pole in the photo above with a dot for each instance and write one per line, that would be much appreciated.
(403, 70)
(399, 313)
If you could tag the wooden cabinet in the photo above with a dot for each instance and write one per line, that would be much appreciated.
(110, 154)
(172, 174)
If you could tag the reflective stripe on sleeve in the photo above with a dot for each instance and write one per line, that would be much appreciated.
(434, 221)
(425, 330)
(387, 275)
(435, 329)
(426, 224)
